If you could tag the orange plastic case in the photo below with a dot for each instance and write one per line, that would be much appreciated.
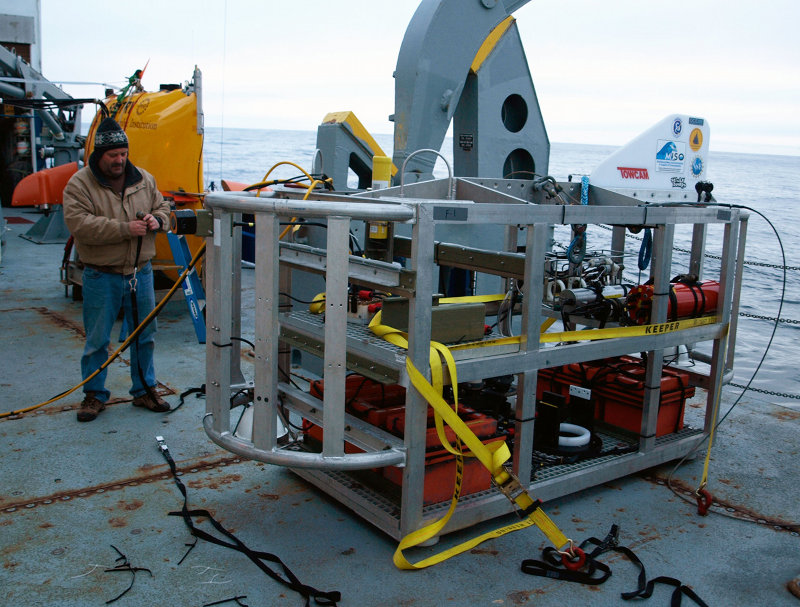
(384, 406)
(617, 386)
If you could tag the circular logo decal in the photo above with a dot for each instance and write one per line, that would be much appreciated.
(677, 126)
(142, 107)
(697, 166)
(696, 140)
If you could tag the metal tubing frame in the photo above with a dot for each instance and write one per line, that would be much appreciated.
(536, 244)
(222, 367)
(419, 336)
(265, 391)
(424, 215)
(737, 290)
(659, 272)
(287, 207)
(335, 336)
(727, 281)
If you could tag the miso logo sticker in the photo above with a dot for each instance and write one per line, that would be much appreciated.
(670, 156)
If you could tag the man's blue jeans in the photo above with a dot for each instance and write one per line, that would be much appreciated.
(103, 295)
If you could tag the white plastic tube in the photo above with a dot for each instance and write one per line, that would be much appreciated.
(579, 436)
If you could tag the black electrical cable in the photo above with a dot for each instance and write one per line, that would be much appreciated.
(296, 299)
(354, 244)
(780, 304)
(243, 340)
(645, 251)
(287, 578)
(198, 392)
(149, 390)
(304, 223)
(707, 435)
(297, 179)
(200, 252)
(777, 316)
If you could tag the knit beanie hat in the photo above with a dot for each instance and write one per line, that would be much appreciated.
(109, 135)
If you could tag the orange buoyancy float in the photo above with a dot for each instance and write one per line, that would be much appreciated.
(687, 299)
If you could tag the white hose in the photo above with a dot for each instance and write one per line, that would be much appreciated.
(580, 436)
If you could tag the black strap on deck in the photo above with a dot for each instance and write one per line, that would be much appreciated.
(551, 566)
(325, 599)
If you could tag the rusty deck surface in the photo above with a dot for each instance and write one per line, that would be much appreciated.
(73, 497)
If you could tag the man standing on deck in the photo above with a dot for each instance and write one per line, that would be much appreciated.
(112, 210)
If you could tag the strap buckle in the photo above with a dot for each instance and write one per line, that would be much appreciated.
(511, 488)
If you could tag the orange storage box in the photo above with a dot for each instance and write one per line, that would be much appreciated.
(617, 386)
(384, 406)
(440, 476)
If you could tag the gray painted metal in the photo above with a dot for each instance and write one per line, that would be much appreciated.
(498, 128)
(338, 152)
(431, 83)
(61, 137)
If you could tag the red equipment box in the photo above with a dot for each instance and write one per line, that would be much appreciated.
(384, 406)
(440, 476)
(617, 386)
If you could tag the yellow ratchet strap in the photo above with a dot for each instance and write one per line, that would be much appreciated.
(610, 333)
(492, 456)
(472, 299)
(593, 334)
(714, 415)
(400, 339)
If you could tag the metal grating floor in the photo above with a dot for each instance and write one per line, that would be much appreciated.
(390, 504)
(611, 440)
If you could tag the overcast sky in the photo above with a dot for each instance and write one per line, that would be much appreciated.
(603, 70)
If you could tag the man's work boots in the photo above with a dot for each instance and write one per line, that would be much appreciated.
(156, 403)
(90, 408)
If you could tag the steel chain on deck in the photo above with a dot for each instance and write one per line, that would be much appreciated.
(769, 392)
(790, 321)
(760, 264)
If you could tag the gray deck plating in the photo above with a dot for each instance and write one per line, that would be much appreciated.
(70, 491)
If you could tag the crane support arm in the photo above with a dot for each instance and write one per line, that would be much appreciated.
(439, 46)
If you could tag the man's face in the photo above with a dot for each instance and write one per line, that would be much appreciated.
(112, 162)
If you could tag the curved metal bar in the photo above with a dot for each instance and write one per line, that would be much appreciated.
(268, 203)
(439, 46)
(450, 189)
(302, 459)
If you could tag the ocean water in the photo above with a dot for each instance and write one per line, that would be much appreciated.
(768, 184)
